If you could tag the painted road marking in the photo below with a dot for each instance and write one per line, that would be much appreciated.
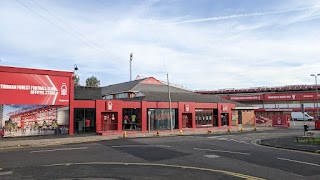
(211, 156)
(5, 173)
(244, 142)
(215, 150)
(239, 141)
(301, 162)
(214, 137)
(163, 165)
(62, 149)
(224, 139)
(140, 146)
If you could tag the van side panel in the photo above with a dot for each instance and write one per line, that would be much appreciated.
(299, 116)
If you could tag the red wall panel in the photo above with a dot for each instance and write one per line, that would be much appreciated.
(84, 104)
(20, 88)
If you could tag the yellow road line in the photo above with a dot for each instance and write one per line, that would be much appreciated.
(163, 165)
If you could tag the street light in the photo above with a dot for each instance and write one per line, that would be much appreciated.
(315, 77)
(75, 67)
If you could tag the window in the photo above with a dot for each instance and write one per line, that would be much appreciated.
(122, 95)
(108, 97)
(160, 119)
(204, 117)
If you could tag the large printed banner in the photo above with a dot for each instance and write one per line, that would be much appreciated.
(30, 120)
(282, 97)
(275, 97)
(19, 88)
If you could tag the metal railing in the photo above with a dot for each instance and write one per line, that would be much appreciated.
(113, 127)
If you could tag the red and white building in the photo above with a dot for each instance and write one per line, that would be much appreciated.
(45, 102)
(274, 100)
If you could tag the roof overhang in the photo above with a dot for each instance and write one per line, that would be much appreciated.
(114, 93)
(245, 108)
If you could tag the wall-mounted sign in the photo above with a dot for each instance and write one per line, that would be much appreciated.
(245, 98)
(224, 108)
(281, 97)
(109, 106)
(186, 108)
(20, 88)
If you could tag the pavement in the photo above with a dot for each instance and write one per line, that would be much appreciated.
(291, 144)
(40, 141)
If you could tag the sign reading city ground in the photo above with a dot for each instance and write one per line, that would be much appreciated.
(19, 88)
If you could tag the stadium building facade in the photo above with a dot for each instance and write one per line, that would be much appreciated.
(46, 102)
(274, 100)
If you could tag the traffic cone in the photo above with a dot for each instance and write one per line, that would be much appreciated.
(125, 134)
(180, 132)
(158, 133)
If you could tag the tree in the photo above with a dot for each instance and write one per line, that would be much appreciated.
(76, 80)
(93, 81)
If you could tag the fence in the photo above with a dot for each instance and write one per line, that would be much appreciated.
(113, 127)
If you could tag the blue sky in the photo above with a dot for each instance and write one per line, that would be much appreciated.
(202, 44)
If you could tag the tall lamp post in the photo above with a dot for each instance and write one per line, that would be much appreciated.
(131, 57)
(315, 77)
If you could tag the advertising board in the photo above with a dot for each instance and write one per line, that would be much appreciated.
(20, 88)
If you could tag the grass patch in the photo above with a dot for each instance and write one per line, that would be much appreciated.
(316, 141)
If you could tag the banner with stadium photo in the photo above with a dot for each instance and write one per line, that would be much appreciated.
(32, 120)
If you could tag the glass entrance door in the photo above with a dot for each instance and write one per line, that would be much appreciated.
(84, 120)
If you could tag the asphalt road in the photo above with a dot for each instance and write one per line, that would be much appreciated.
(229, 156)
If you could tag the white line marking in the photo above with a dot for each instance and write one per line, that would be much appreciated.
(301, 162)
(5, 173)
(231, 152)
(63, 149)
(211, 156)
(213, 137)
(254, 142)
(244, 142)
(140, 146)
(224, 139)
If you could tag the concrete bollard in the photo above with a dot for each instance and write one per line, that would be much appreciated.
(125, 134)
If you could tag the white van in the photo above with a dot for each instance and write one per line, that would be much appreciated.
(298, 116)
